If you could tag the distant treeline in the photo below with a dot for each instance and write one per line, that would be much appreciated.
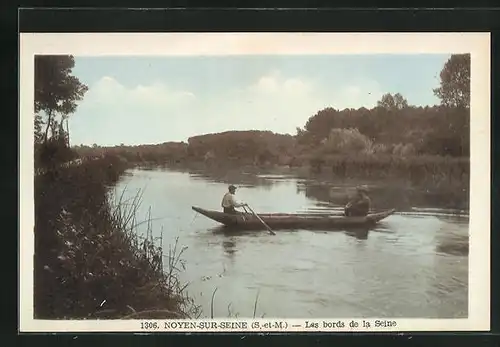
(391, 139)
(168, 152)
(437, 130)
(410, 131)
(245, 147)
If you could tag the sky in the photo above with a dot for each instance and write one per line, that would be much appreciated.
(147, 100)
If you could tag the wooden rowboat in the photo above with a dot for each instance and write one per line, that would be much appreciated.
(292, 221)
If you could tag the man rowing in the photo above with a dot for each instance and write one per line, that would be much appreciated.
(229, 203)
(360, 205)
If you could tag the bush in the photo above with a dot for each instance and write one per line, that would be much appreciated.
(433, 130)
(345, 141)
(88, 254)
(52, 153)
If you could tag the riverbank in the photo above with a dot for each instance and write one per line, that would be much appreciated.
(89, 262)
(421, 251)
(426, 180)
(431, 172)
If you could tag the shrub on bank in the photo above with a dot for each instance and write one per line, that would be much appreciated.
(52, 153)
(345, 141)
(418, 169)
(89, 262)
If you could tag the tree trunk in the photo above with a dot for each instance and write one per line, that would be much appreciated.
(48, 125)
(67, 132)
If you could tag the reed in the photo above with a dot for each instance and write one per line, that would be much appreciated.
(419, 169)
(90, 261)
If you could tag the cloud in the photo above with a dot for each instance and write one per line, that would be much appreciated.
(109, 91)
(266, 84)
(309, 96)
(273, 84)
(112, 113)
(271, 102)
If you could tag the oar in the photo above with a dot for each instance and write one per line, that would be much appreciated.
(264, 223)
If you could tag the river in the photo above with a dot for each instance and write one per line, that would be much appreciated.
(414, 264)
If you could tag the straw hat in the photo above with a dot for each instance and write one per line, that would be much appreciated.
(362, 188)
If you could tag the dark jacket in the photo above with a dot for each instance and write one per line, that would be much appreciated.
(359, 207)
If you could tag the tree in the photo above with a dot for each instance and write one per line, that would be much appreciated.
(300, 131)
(346, 141)
(38, 128)
(393, 102)
(56, 90)
(454, 90)
(400, 101)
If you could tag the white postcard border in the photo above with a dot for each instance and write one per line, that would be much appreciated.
(154, 44)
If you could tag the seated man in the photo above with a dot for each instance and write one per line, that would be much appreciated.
(229, 203)
(360, 205)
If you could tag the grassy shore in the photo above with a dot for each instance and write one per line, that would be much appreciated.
(418, 169)
(434, 172)
(89, 261)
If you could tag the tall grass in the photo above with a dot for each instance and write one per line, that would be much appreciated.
(425, 170)
(160, 293)
(90, 261)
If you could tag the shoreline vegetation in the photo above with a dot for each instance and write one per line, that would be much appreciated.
(90, 262)
(433, 152)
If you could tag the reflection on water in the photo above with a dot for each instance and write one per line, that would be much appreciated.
(388, 196)
(452, 243)
(358, 233)
(232, 176)
(412, 264)
(229, 248)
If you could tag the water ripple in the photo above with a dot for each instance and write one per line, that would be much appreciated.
(412, 264)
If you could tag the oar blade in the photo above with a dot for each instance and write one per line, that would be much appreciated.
(260, 219)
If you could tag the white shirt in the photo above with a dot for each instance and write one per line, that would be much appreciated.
(228, 201)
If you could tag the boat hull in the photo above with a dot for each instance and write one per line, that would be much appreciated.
(282, 221)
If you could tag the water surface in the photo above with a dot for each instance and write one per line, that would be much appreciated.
(414, 264)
